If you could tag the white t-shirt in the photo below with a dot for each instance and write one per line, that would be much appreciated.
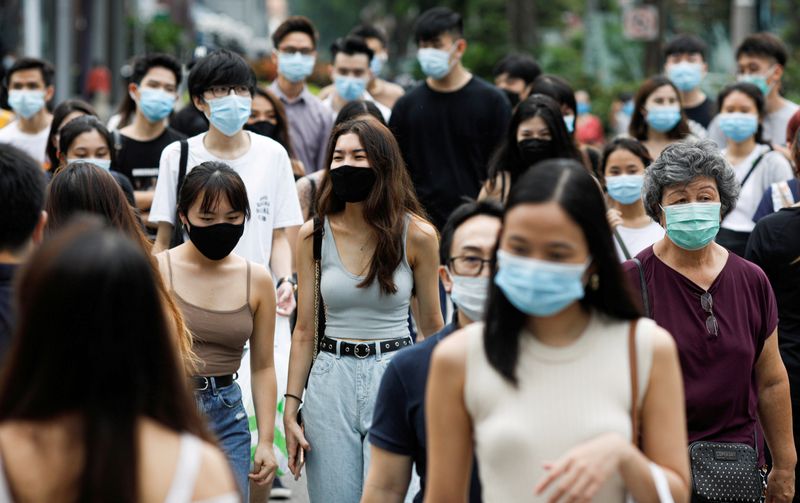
(637, 240)
(385, 111)
(772, 168)
(32, 144)
(267, 175)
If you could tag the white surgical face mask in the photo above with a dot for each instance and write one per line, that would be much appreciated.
(469, 295)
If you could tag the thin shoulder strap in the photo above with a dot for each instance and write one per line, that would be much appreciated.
(169, 268)
(632, 362)
(621, 244)
(755, 165)
(185, 478)
(248, 282)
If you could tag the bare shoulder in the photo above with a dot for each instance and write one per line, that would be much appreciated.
(393, 90)
(450, 354)
(262, 280)
(306, 230)
(215, 477)
(664, 346)
(421, 232)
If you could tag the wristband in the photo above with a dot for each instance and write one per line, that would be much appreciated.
(289, 395)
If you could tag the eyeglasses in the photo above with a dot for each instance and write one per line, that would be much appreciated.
(468, 265)
(294, 50)
(707, 302)
(220, 91)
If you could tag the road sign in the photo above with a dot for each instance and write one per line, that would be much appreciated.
(640, 23)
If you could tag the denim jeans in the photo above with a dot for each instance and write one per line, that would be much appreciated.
(227, 420)
(337, 414)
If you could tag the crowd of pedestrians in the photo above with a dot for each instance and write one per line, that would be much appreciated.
(459, 291)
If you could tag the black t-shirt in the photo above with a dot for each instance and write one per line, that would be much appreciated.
(398, 423)
(774, 246)
(702, 113)
(447, 139)
(139, 160)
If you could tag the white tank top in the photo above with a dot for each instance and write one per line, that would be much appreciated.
(565, 396)
(183, 482)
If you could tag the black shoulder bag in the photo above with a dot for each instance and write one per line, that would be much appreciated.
(177, 229)
(726, 472)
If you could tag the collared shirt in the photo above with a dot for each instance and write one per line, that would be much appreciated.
(386, 112)
(310, 123)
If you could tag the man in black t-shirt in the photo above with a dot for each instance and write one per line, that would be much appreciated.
(154, 85)
(449, 125)
(685, 65)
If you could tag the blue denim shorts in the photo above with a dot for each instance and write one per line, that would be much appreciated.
(227, 420)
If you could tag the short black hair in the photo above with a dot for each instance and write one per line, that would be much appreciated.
(366, 31)
(686, 44)
(212, 180)
(518, 66)
(557, 88)
(460, 215)
(437, 21)
(295, 24)
(143, 64)
(764, 44)
(22, 195)
(220, 68)
(31, 63)
(351, 46)
(357, 108)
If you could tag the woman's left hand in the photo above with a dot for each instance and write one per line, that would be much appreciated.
(583, 470)
(264, 464)
(285, 298)
(780, 486)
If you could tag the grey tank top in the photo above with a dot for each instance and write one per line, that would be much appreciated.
(363, 313)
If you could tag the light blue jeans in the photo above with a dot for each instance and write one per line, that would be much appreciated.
(337, 414)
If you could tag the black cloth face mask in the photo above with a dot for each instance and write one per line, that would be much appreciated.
(264, 128)
(512, 97)
(352, 184)
(216, 241)
(534, 150)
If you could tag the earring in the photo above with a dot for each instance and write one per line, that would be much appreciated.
(594, 282)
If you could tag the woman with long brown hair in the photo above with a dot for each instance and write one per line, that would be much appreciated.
(658, 118)
(82, 187)
(377, 250)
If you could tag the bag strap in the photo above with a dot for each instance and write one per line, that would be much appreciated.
(621, 244)
(643, 287)
(634, 367)
(319, 306)
(755, 165)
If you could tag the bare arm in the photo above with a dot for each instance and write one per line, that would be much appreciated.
(493, 189)
(281, 265)
(388, 477)
(423, 256)
(775, 414)
(144, 199)
(449, 427)
(163, 236)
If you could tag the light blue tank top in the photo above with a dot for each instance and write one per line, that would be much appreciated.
(363, 313)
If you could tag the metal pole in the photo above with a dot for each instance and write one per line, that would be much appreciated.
(64, 38)
(32, 20)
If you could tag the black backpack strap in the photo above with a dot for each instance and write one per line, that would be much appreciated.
(621, 244)
(177, 229)
(643, 286)
(755, 165)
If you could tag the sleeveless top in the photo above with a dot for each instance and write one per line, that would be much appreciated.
(363, 313)
(565, 396)
(218, 336)
(183, 482)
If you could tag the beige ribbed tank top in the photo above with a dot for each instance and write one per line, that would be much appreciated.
(565, 396)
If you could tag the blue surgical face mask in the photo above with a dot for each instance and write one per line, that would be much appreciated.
(537, 287)
(295, 67)
(469, 295)
(626, 189)
(377, 63)
(627, 108)
(26, 104)
(584, 108)
(685, 75)
(738, 126)
(156, 104)
(229, 113)
(760, 81)
(569, 121)
(692, 226)
(349, 88)
(100, 163)
(663, 118)
(435, 63)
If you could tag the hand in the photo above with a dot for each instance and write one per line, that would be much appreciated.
(583, 470)
(614, 217)
(264, 464)
(286, 302)
(780, 486)
(296, 444)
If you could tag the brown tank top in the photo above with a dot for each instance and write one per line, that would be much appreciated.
(218, 336)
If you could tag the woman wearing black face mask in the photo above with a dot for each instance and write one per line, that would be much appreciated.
(537, 132)
(226, 301)
(268, 118)
(376, 249)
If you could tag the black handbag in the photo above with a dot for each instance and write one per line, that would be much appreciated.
(725, 473)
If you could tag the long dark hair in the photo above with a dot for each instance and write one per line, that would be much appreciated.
(385, 209)
(566, 182)
(60, 113)
(283, 137)
(507, 157)
(85, 124)
(638, 127)
(752, 92)
(92, 339)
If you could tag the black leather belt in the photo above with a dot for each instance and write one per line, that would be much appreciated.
(202, 383)
(363, 349)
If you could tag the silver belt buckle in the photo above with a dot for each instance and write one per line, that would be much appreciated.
(205, 387)
(355, 350)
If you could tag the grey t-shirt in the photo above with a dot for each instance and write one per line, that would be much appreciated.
(774, 125)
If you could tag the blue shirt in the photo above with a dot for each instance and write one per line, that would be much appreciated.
(398, 424)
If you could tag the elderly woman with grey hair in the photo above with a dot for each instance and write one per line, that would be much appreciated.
(719, 308)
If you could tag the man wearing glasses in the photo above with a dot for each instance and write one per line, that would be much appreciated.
(398, 424)
(310, 123)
